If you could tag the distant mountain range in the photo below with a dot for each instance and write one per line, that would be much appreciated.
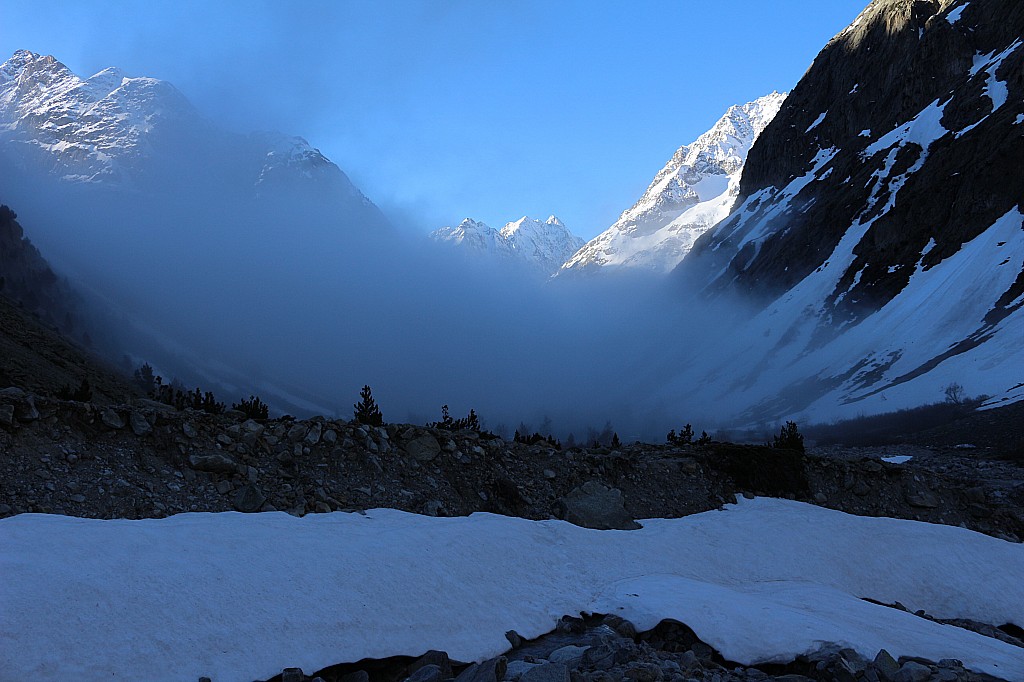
(693, 192)
(539, 246)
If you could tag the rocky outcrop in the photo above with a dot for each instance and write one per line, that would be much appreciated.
(879, 231)
(907, 121)
(603, 648)
(83, 459)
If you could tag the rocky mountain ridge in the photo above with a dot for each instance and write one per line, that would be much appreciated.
(694, 190)
(879, 221)
(541, 246)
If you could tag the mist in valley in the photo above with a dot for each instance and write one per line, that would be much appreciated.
(286, 299)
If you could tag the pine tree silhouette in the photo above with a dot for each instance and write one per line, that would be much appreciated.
(366, 410)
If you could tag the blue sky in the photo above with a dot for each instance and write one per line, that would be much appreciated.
(442, 110)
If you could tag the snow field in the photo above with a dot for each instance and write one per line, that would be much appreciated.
(238, 597)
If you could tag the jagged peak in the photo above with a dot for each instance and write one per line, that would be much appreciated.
(554, 220)
(471, 224)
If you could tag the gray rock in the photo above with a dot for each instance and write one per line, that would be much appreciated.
(602, 657)
(428, 673)
(912, 671)
(224, 487)
(548, 672)
(26, 409)
(7, 415)
(189, 429)
(425, 448)
(112, 419)
(434, 508)
(140, 427)
(249, 498)
(491, 670)
(12, 393)
(885, 665)
(297, 433)
(357, 676)
(253, 426)
(313, 434)
(920, 497)
(439, 659)
(516, 669)
(213, 463)
(594, 505)
(569, 655)
(976, 494)
(292, 675)
(702, 650)
(621, 626)
(330, 436)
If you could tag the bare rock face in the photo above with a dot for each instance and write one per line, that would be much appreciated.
(909, 119)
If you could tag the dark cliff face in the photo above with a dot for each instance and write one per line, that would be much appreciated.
(907, 128)
(27, 279)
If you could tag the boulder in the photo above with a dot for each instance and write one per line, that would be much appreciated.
(548, 672)
(213, 463)
(594, 505)
(140, 427)
(249, 498)
(312, 436)
(425, 448)
(297, 433)
(491, 670)
(428, 673)
(112, 419)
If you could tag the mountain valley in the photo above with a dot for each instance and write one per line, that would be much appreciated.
(827, 286)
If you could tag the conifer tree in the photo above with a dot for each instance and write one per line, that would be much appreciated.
(366, 410)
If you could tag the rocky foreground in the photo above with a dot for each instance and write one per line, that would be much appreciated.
(146, 459)
(609, 649)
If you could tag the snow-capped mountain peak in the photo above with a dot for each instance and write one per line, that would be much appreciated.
(694, 191)
(140, 133)
(95, 129)
(542, 246)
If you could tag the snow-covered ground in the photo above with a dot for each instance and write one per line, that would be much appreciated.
(238, 597)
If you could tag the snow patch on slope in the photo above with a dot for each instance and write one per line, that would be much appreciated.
(932, 333)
